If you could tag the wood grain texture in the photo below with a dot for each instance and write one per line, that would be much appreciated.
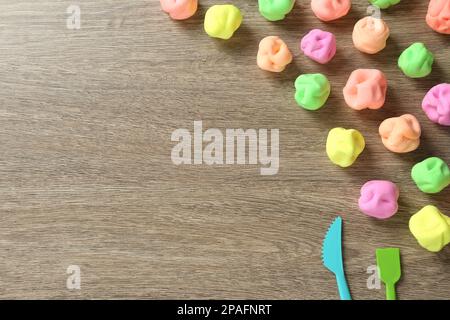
(86, 176)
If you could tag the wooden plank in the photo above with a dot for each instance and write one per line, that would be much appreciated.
(86, 176)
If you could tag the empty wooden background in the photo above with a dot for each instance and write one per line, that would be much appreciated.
(86, 176)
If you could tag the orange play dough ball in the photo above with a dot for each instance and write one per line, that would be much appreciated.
(365, 89)
(438, 16)
(370, 35)
(401, 134)
(179, 9)
(273, 54)
(328, 10)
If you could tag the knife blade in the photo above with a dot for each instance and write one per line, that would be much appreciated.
(332, 257)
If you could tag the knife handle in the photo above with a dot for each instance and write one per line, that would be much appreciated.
(344, 291)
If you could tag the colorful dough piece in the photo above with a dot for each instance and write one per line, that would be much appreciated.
(431, 228)
(365, 89)
(401, 134)
(319, 45)
(179, 9)
(275, 10)
(328, 10)
(379, 199)
(221, 21)
(436, 104)
(370, 35)
(273, 54)
(312, 91)
(384, 4)
(431, 175)
(416, 61)
(438, 16)
(344, 146)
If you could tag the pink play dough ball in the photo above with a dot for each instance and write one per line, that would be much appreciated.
(379, 199)
(319, 45)
(328, 10)
(436, 104)
(179, 9)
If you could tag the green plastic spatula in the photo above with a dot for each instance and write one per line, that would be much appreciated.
(388, 261)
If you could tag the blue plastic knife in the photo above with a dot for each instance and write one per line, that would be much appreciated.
(332, 257)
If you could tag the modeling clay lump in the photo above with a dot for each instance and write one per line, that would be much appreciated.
(344, 146)
(365, 89)
(275, 10)
(312, 91)
(436, 104)
(431, 228)
(328, 10)
(438, 16)
(416, 61)
(370, 35)
(384, 4)
(401, 134)
(319, 45)
(431, 175)
(379, 199)
(179, 9)
(221, 21)
(273, 54)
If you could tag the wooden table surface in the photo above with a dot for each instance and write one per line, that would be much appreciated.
(86, 177)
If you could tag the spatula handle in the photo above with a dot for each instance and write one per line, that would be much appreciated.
(344, 291)
(390, 292)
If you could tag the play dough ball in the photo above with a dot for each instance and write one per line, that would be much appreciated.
(344, 146)
(379, 199)
(431, 228)
(436, 104)
(312, 91)
(319, 45)
(273, 54)
(370, 35)
(431, 175)
(221, 21)
(416, 61)
(328, 10)
(274, 10)
(384, 4)
(179, 9)
(401, 134)
(365, 89)
(438, 16)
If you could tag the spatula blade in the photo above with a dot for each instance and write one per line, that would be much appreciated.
(388, 261)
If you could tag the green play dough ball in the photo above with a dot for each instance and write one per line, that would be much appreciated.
(312, 91)
(431, 175)
(275, 10)
(384, 4)
(416, 61)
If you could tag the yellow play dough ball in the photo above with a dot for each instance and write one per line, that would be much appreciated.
(344, 146)
(431, 228)
(221, 21)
